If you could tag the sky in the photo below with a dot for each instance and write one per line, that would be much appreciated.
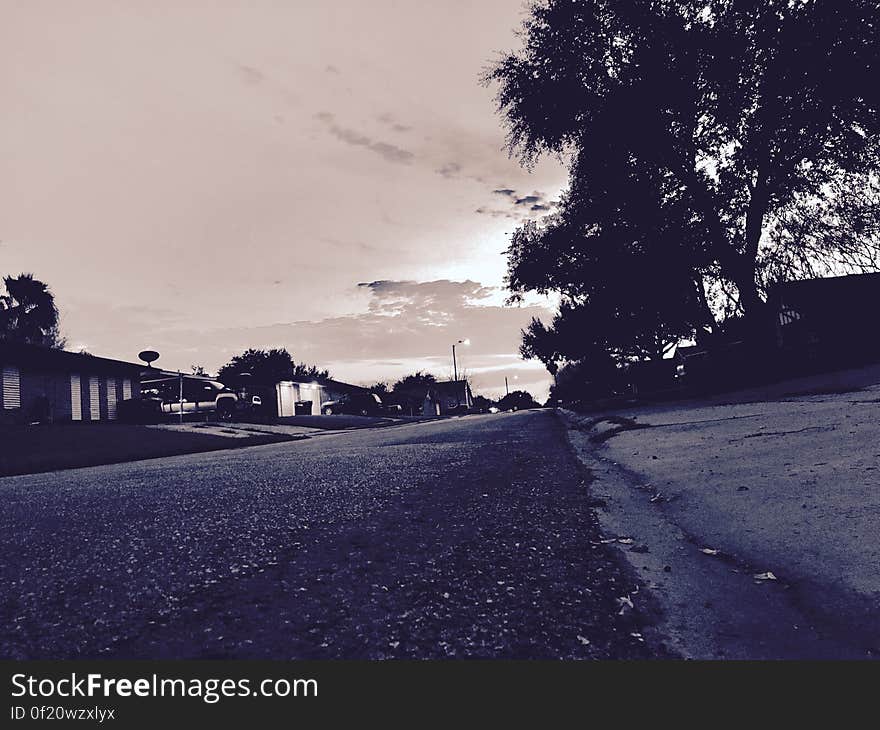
(203, 177)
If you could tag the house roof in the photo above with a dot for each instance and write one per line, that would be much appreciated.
(683, 351)
(339, 384)
(45, 358)
(832, 291)
(450, 387)
(326, 382)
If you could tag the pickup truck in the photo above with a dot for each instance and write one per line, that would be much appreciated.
(161, 398)
(359, 403)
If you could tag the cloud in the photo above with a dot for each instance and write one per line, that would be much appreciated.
(449, 170)
(406, 325)
(494, 213)
(425, 304)
(388, 120)
(521, 208)
(251, 76)
(410, 325)
(390, 152)
(403, 326)
(528, 200)
(350, 136)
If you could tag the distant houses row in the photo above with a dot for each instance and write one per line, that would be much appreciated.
(817, 323)
(41, 384)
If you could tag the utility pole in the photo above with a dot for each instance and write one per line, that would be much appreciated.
(180, 394)
(506, 388)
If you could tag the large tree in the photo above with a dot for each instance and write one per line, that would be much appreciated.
(28, 312)
(626, 254)
(267, 367)
(409, 392)
(518, 400)
(746, 110)
(380, 388)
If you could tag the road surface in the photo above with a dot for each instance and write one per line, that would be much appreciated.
(470, 537)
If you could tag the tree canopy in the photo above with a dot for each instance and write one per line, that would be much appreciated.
(409, 392)
(482, 403)
(380, 388)
(264, 367)
(517, 400)
(28, 312)
(699, 136)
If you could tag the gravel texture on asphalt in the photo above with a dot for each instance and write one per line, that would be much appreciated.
(470, 537)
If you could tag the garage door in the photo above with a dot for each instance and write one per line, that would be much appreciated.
(286, 399)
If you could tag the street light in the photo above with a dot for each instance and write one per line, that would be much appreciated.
(454, 365)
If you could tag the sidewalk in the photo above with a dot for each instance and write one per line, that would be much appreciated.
(237, 430)
(782, 487)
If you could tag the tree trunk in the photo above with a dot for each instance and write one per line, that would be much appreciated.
(708, 317)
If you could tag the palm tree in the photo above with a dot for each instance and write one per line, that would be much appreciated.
(28, 312)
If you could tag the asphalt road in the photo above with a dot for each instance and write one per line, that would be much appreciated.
(469, 537)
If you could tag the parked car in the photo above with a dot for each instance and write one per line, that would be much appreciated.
(162, 397)
(359, 403)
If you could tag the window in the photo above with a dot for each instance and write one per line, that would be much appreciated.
(94, 399)
(11, 388)
(76, 409)
(111, 399)
(787, 315)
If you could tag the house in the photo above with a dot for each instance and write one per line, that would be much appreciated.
(448, 396)
(829, 321)
(652, 376)
(42, 384)
(309, 397)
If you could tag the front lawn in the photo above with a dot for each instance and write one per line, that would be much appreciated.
(32, 449)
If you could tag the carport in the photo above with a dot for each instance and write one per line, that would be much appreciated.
(293, 397)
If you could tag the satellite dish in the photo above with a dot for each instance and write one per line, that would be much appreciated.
(149, 357)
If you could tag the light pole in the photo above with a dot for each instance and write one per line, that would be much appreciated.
(454, 364)
(180, 394)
